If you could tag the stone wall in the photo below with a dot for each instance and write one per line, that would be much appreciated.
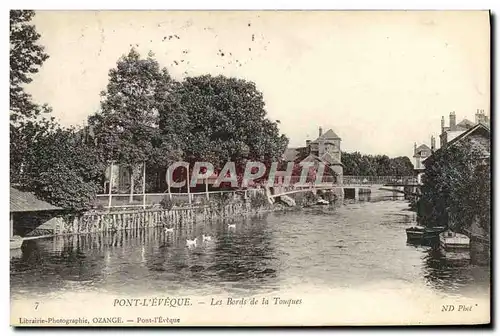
(480, 244)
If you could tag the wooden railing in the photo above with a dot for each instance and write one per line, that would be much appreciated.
(152, 199)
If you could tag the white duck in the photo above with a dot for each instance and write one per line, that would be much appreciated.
(190, 243)
(207, 238)
(167, 230)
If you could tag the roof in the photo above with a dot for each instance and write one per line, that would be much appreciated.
(326, 159)
(466, 123)
(479, 126)
(331, 160)
(22, 201)
(330, 134)
(291, 154)
(469, 132)
(420, 149)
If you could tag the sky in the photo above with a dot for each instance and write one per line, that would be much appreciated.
(380, 80)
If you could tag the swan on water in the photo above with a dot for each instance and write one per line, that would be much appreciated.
(191, 243)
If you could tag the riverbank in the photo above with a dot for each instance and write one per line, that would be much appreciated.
(167, 214)
(95, 221)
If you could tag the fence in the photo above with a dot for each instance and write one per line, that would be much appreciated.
(149, 200)
(115, 221)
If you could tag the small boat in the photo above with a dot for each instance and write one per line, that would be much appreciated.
(16, 242)
(415, 233)
(450, 240)
(433, 232)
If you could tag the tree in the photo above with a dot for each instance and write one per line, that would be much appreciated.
(455, 189)
(62, 169)
(221, 119)
(126, 127)
(358, 164)
(22, 137)
(44, 158)
(27, 119)
(402, 166)
(26, 57)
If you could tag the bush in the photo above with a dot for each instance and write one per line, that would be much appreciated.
(258, 200)
(167, 203)
(456, 188)
(306, 198)
(328, 195)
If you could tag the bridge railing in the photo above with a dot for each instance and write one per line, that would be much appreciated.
(296, 181)
(368, 180)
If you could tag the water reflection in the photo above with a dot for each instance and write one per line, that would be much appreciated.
(454, 273)
(243, 255)
(343, 245)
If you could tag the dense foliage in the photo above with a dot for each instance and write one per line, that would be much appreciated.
(456, 188)
(62, 170)
(221, 119)
(148, 117)
(26, 58)
(126, 127)
(45, 158)
(27, 119)
(358, 164)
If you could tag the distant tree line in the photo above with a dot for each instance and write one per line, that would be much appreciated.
(358, 164)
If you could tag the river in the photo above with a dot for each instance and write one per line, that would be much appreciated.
(348, 246)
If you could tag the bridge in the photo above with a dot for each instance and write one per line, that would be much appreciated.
(397, 184)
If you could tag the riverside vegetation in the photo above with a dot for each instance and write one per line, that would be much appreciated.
(146, 117)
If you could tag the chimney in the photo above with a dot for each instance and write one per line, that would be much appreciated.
(320, 131)
(480, 117)
(453, 121)
(414, 148)
(486, 119)
(433, 143)
(442, 124)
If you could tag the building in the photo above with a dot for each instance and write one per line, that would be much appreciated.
(478, 135)
(451, 134)
(326, 149)
(421, 153)
(454, 130)
(30, 216)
